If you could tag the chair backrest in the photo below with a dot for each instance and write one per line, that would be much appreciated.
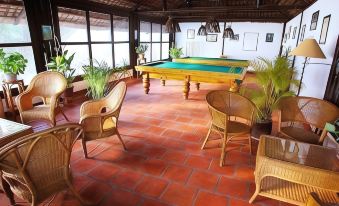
(315, 112)
(313, 200)
(37, 165)
(47, 84)
(225, 104)
(114, 99)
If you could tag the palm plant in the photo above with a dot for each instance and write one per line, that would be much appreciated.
(274, 77)
(97, 75)
(175, 52)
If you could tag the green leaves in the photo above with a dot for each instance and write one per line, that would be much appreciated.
(141, 49)
(175, 52)
(62, 64)
(12, 63)
(274, 78)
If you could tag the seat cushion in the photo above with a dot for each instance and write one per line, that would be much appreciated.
(236, 127)
(38, 112)
(300, 134)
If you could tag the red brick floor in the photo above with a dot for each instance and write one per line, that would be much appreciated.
(164, 164)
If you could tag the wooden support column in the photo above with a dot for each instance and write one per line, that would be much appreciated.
(133, 39)
(300, 24)
(282, 39)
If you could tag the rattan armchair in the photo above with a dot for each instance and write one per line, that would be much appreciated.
(304, 118)
(314, 200)
(47, 86)
(38, 165)
(99, 118)
(232, 117)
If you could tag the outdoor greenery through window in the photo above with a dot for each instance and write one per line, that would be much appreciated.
(15, 36)
(105, 37)
(153, 35)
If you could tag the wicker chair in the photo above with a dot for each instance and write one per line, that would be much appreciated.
(38, 165)
(304, 118)
(99, 118)
(232, 116)
(48, 86)
(314, 200)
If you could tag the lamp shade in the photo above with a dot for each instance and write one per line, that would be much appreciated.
(308, 48)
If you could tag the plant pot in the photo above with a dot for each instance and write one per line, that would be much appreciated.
(141, 56)
(258, 129)
(68, 94)
(9, 77)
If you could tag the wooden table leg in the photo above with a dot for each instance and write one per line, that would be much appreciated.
(163, 82)
(146, 83)
(186, 88)
(234, 86)
(197, 85)
(7, 190)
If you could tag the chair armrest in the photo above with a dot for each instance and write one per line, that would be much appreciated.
(24, 101)
(278, 111)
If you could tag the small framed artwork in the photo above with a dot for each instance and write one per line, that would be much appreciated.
(211, 37)
(190, 33)
(250, 41)
(289, 32)
(47, 32)
(269, 37)
(235, 37)
(324, 29)
(314, 20)
(294, 32)
(302, 32)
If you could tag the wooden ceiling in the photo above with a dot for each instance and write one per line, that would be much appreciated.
(225, 10)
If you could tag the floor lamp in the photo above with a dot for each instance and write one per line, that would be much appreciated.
(309, 48)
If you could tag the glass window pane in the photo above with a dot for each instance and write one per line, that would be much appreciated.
(148, 52)
(156, 32)
(73, 26)
(145, 31)
(155, 51)
(121, 54)
(81, 56)
(102, 52)
(165, 36)
(30, 70)
(164, 51)
(13, 23)
(121, 28)
(100, 26)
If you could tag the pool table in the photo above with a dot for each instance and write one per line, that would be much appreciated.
(191, 73)
(213, 61)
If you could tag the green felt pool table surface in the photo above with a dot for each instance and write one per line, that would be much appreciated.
(216, 59)
(197, 67)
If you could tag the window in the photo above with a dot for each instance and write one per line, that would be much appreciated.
(153, 35)
(15, 36)
(107, 39)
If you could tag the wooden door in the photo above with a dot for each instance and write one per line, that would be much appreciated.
(332, 88)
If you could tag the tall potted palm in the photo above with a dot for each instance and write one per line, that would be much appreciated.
(273, 78)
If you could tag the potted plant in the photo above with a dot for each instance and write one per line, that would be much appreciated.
(62, 63)
(140, 50)
(273, 78)
(97, 76)
(175, 53)
(12, 64)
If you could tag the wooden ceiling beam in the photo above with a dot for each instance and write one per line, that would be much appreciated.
(225, 9)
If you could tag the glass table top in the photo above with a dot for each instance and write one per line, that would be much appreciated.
(302, 153)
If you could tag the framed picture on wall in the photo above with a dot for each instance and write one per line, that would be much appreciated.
(269, 37)
(324, 29)
(47, 32)
(211, 37)
(314, 20)
(190, 33)
(289, 32)
(250, 41)
(294, 32)
(302, 32)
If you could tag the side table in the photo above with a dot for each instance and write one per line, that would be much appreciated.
(7, 90)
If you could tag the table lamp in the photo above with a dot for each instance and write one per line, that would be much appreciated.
(309, 48)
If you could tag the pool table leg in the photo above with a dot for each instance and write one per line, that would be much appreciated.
(163, 82)
(234, 86)
(145, 80)
(197, 85)
(186, 88)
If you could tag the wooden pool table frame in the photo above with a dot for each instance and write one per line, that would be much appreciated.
(150, 71)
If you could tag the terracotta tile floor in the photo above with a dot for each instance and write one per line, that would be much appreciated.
(163, 164)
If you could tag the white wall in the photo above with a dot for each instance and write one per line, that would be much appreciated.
(316, 75)
(233, 49)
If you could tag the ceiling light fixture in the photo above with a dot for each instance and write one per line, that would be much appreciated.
(228, 32)
(202, 30)
(212, 26)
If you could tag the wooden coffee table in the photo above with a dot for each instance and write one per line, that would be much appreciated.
(10, 131)
(288, 171)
